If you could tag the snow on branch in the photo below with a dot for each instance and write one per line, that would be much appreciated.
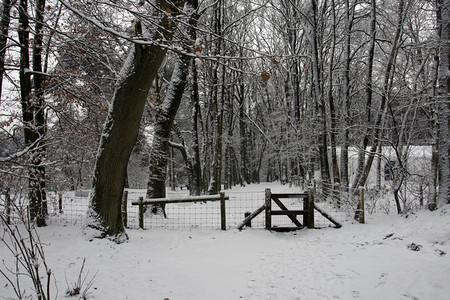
(21, 153)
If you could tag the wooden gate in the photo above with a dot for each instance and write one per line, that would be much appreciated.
(307, 211)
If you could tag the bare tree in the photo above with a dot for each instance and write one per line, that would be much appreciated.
(122, 124)
(166, 112)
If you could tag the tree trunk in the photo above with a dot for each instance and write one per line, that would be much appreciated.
(361, 177)
(323, 147)
(217, 105)
(443, 93)
(39, 104)
(434, 120)
(244, 162)
(33, 116)
(4, 30)
(159, 152)
(368, 91)
(196, 180)
(121, 129)
(333, 129)
(346, 95)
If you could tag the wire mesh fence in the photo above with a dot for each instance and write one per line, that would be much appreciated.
(70, 208)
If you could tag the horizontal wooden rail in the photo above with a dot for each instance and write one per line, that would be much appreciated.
(187, 199)
(283, 196)
(288, 212)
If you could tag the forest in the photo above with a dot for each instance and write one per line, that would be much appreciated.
(207, 95)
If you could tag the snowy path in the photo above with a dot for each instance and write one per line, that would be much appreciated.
(369, 261)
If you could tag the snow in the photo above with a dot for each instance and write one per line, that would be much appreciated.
(358, 261)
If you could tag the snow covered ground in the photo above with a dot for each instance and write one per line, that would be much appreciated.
(390, 257)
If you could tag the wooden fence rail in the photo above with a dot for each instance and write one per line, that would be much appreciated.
(189, 199)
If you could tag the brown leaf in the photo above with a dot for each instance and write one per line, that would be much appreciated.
(265, 76)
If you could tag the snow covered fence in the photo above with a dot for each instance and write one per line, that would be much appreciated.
(69, 207)
(221, 198)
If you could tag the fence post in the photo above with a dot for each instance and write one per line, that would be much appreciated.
(361, 216)
(268, 200)
(247, 214)
(223, 220)
(124, 208)
(309, 209)
(141, 212)
(60, 199)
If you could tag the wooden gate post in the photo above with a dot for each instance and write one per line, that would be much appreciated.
(141, 212)
(310, 209)
(223, 221)
(268, 201)
(124, 208)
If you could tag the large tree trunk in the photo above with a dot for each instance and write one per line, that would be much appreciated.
(159, 153)
(443, 93)
(122, 126)
(33, 116)
(196, 180)
(323, 147)
(39, 110)
(217, 105)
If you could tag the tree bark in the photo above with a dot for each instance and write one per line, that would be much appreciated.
(443, 94)
(159, 152)
(33, 116)
(217, 105)
(323, 147)
(122, 126)
(346, 95)
(368, 92)
(39, 107)
(196, 180)
(333, 129)
(4, 30)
